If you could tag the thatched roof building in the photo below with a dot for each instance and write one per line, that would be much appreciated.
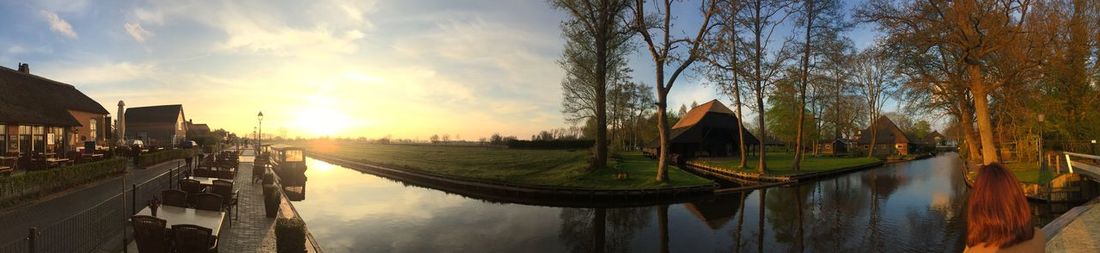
(55, 116)
(888, 137)
(709, 129)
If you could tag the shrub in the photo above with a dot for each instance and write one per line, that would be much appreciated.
(153, 158)
(290, 235)
(16, 188)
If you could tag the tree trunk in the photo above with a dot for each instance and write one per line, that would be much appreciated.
(874, 136)
(981, 110)
(740, 127)
(662, 130)
(601, 90)
(761, 165)
(971, 138)
(802, 88)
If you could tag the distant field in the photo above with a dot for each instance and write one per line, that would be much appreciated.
(779, 164)
(557, 168)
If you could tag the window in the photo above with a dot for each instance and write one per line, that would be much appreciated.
(91, 129)
(3, 140)
(24, 139)
(39, 138)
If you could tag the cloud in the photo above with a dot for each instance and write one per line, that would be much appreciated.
(137, 32)
(103, 73)
(59, 25)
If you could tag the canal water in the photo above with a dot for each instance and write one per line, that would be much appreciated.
(907, 207)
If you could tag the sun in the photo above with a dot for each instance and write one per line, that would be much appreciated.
(323, 121)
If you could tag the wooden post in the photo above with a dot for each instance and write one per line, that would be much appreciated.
(133, 199)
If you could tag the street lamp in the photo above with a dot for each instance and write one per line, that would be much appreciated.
(260, 131)
(1041, 164)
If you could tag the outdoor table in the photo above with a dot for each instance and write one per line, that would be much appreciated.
(175, 215)
(208, 181)
(56, 161)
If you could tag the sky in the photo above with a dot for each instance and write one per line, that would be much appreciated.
(373, 68)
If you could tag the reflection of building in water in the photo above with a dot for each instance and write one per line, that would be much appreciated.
(708, 130)
(716, 212)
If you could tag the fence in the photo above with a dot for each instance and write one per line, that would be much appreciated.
(95, 227)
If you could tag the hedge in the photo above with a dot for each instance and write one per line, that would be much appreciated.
(552, 144)
(20, 187)
(153, 158)
(290, 235)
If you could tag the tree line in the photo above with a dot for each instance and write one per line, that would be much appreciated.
(994, 68)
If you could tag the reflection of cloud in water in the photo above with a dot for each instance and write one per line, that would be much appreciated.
(384, 216)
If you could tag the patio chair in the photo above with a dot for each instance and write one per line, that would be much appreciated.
(208, 201)
(174, 198)
(192, 187)
(189, 238)
(150, 233)
(229, 196)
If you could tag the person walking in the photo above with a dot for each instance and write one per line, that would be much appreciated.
(998, 217)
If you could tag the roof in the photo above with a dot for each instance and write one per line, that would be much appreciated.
(167, 114)
(697, 113)
(887, 133)
(200, 128)
(930, 138)
(708, 116)
(30, 99)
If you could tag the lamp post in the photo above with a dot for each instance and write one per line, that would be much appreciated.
(260, 131)
(1042, 166)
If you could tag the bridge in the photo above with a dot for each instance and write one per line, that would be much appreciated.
(1083, 164)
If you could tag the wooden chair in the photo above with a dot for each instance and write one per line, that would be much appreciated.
(208, 201)
(192, 187)
(229, 196)
(189, 238)
(150, 233)
(174, 197)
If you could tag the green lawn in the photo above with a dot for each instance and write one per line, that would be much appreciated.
(779, 164)
(556, 168)
(1029, 173)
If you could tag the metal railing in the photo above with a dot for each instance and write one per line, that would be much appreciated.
(96, 227)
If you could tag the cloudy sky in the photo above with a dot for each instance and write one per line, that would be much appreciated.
(406, 68)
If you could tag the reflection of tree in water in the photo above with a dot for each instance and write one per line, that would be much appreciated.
(602, 230)
(834, 219)
(785, 214)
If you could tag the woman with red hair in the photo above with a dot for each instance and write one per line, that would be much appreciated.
(998, 217)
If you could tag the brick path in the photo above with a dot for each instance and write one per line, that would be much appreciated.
(252, 231)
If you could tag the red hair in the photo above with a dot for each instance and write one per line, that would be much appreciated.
(997, 211)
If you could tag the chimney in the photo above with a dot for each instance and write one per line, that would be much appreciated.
(24, 68)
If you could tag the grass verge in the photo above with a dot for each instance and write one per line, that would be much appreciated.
(553, 168)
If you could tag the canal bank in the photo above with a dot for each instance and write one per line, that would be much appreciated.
(529, 194)
(907, 207)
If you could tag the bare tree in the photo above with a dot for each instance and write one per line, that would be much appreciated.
(821, 20)
(594, 56)
(877, 79)
(662, 47)
(761, 18)
(723, 58)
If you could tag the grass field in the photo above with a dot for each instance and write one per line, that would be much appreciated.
(1029, 173)
(779, 164)
(556, 168)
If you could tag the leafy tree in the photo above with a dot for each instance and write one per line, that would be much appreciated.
(594, 57)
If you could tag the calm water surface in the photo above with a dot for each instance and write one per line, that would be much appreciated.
(908, 207)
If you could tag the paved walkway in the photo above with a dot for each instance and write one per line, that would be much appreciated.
(1081, 235)
(252, 231)
(58, 206)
